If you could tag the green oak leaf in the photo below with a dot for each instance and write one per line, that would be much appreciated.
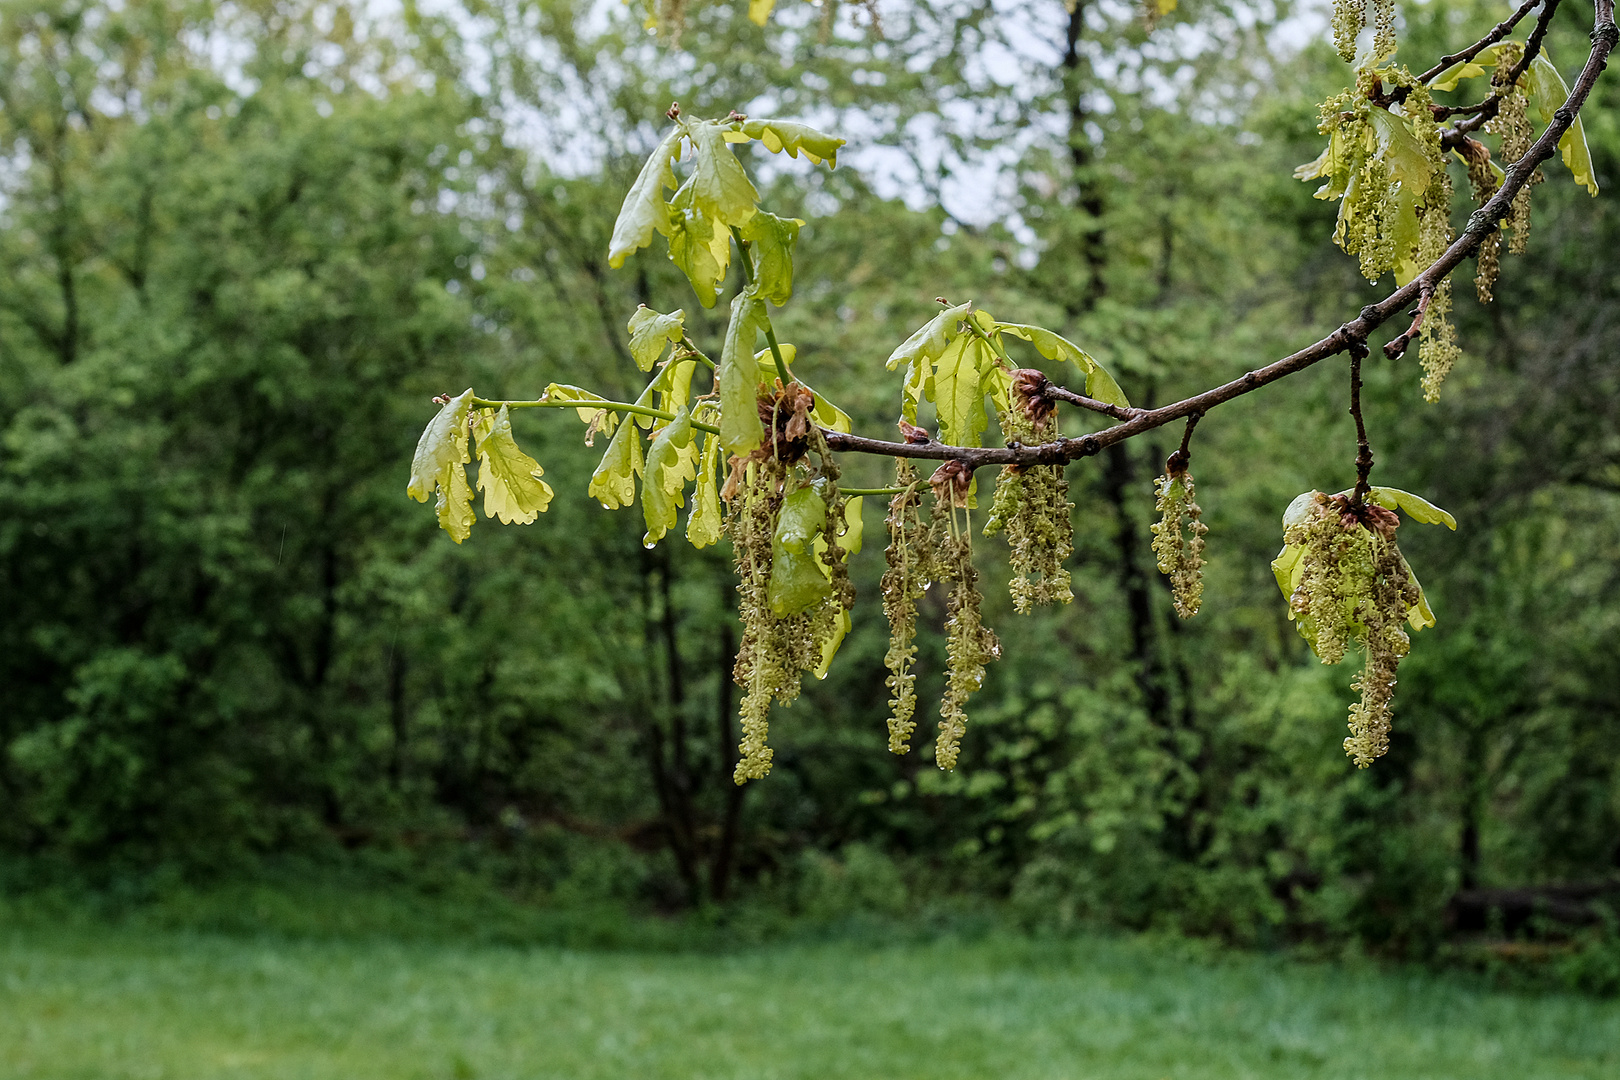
(1300, 510)
(595, 420)
(650, 331)
(1053, 346)
(929, 342)
(703, 525)
(438, 463)
(1466, 69)
(643, 212)
(1288, 568)
(702, 251)
(720, 186)
(1548, 92)
(759, 11)
(436, 450)
(829, 648)
(959, 389)
(797, 582)
(670, 464)
(854, 530)
(850, 541)
(1410, 168)
(674, 384)
(455, 497)
(1421, 615)
(1413, 506)
(779, 135)
(509, 478)
(738, 377)
(770, 240)
(613, 484)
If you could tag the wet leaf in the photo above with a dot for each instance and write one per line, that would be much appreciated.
(740, 429)
(651, 331)
(770, 240)
(643, 212)
(779, 135)
(1413, 506)
(703, 526)
(509, 478)
(671, 463)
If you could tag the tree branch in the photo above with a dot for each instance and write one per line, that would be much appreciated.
(1480, 224)
(1488, 108)
(1364, 457)
(1118, 412)
(1500, 31)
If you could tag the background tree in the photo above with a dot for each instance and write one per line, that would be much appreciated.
(165, 696)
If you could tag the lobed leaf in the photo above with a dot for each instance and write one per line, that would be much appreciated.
(779, 135)
(643, 211)
(598, 419)
(797, 582)
(738, 377)
(613, 484)
(437, 450)
(930, 341)
(650, 331)
(455, 496)
(854, 529)
(959, 389)
(1466, 69)
(509, 478)
(702, 251)
(703, 525)
(720, 186)
(674, 384)
(1099, 383)
(770, 240)
(1415, 507)
(670, 464)
(1548, 92)
(829, 648)
(1410, 168)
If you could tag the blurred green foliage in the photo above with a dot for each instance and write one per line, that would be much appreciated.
(241, 248)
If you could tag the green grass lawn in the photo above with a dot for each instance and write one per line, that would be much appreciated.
(94, 1003)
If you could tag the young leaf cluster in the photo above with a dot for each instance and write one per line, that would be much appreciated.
(1346, 581)
(510, 479)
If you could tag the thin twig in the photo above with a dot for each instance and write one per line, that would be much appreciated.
(1178, 461)
(1118, 412)
(1397, 346)
(1364, 456)
(1500, 31)
(1492, 104)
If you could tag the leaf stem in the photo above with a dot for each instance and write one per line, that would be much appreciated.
(695, 353)
(996, 350)
(770, 331)
(611, 406)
